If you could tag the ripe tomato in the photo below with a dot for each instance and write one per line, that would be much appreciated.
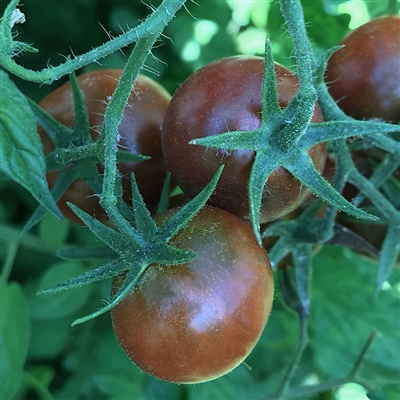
(363, 77)
(140, 131)
(194, 322)
(220, 97)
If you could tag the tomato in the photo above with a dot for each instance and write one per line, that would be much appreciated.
(220, 97)
(197, 321)
(140, 131)
(363, 77)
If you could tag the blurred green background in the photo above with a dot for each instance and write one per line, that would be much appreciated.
(42, 357)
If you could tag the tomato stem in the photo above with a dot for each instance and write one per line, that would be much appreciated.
(154, 23)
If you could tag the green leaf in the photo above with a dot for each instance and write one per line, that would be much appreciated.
(117, 387)
(21, 151)
(49, 337)
(103, 357)
(52, 231)
(42, 376)
(14, 338)
(223, 388)
(386, 392)
(156, 389)
(51, 306)
(343, 313)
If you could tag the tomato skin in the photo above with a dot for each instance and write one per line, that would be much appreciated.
(363, 77)
(194, 322)
(140, 131)
(220, 97)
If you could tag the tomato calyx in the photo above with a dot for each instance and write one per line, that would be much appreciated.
(131, 254)
(283, 140)
(76, 154)
(285, 137)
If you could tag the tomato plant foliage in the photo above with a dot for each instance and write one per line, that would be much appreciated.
(192, 287)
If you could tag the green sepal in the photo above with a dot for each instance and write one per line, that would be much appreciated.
(115, 240)
(320, 67)
(287, 288)
(126, 156)
(59, 134)
(319, 186)
(344, 237)
(65, 179)
(142, 218)
(258, 176)
(131, 278)
(385, 142)
(189, 210)
(382, 173)
(98, 274)
(333, 130)
(270, 104)
(81, 117)
(165, 194)
(391, 188)
(237, 140)
(77, 253)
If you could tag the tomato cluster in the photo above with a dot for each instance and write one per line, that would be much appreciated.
(196, 321)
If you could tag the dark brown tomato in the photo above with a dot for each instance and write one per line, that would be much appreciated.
(139, 130)
(197, 321)
(220, 97)
(364, 76)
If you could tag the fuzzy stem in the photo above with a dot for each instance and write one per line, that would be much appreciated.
(112, 119)
(154, 23)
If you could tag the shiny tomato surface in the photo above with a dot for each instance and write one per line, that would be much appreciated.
(194, 322)
(226, 96)
(139, 130)
(364, 76)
